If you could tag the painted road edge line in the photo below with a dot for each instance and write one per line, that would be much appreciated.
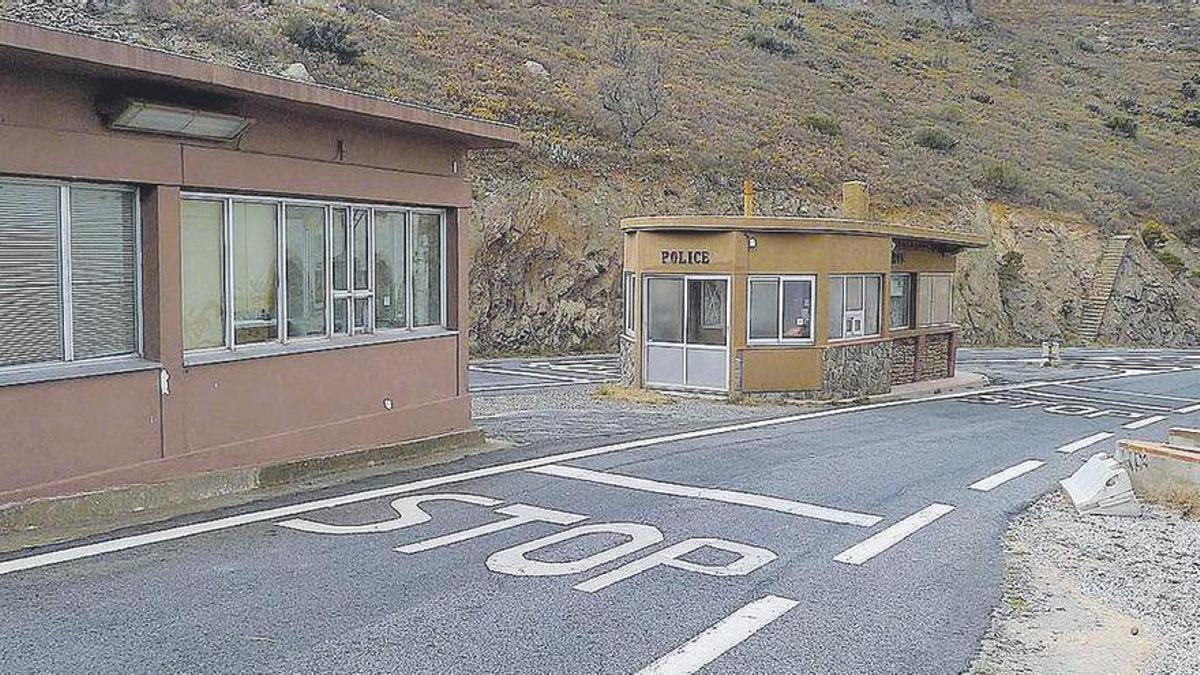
(1189, 409)
(172, 533)
(719, 638)
(525, 373)
(1145, 422)
(777, 504)
(1001, 477)
(1085, 442)
(885, 539)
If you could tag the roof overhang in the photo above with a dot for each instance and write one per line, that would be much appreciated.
(905, 233)
(35, 46)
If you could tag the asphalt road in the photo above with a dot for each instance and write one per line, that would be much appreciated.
(790, 560)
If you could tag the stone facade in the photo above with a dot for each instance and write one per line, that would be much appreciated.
(904, 360)
(630, 372)
(856, 370)
(935, 361)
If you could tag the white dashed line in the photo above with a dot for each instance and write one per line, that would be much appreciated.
(1085, 442)
(527, 373)
(1145, 422)
(1001, 477)
(885, 539)
(719, 638)
(1123, 392)
(713, 495)
(1189, 409)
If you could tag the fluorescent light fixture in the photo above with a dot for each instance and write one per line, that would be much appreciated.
(157, 118)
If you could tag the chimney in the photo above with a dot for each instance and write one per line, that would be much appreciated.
(856, 205)
(748, 198)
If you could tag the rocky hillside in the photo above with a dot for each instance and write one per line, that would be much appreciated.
(1050, 125)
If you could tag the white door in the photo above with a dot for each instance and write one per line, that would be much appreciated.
(687, 332)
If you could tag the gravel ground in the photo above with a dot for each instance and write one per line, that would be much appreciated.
(1097, 594)
(562, 413)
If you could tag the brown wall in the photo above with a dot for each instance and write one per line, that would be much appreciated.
(86, 433)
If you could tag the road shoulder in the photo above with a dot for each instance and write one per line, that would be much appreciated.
(1096, 594)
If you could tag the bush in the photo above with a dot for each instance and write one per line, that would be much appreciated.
(768, 41)
(982, 97)
(1011, 264)
(1191, 117)
(935, 139)
(1123, 124)
(822, 124)
(793, 26)
(1170, 261)
(323, 36)
(1154, 235)
(1001, 178)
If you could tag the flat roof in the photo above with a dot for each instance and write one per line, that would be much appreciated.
(804, 226)
(74, 53)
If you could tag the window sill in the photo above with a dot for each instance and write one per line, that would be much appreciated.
(55, 372)
(785, 343)
(251, 352)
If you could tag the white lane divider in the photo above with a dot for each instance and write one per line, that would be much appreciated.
(885, 539)
(712, 494)
(1125, 392)
(1001, 477)
(1189, 409)
(528, 373)
(1145, 422)
(1084, 442)
(719, 638)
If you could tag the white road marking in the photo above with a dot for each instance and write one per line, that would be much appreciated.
(527, 373)
(1145, 422)
(712, 494)
(1189, 409)
(885, 539)
(1109, 402)
(719, 638)
(173, 533)
(1084, 442)
(1001, 477)
(1139, 394)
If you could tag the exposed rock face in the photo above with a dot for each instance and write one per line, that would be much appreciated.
(1148, 309)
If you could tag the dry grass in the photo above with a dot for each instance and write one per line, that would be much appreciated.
(619, 394)
(1184, 500)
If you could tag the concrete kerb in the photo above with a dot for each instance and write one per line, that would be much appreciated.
(45, 521)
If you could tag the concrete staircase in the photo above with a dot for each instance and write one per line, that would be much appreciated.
(1102, 286)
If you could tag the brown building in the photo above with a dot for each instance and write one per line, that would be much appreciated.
(814, 307)
(204, 268)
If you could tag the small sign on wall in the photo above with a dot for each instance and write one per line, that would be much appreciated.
(686, 257)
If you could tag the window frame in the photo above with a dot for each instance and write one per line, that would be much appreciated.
(629, 288)
(350, 295)
(911, 315)
(66, 308)
(780, 280)
(932, 277)
(841, 278)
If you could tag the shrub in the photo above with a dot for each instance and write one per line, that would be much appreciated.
(1154, 235)
(768, 41)
(935, 139)
(324, 36)
(1084, 46)
(1170, 261)
(1191, 117)
(1123, 125)
(822, 124)
(793, 26)
(1011, 264)
(982, 97)
(1001, 178)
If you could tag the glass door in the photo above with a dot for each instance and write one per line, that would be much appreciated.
(687, 332)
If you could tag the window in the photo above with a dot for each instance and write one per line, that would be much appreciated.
(262, 270)
(901, 305)
(854, 305)
(935, 297)
(68, 272)
(629, 293)
(781, 309)
(664, 308)
(706, 311)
